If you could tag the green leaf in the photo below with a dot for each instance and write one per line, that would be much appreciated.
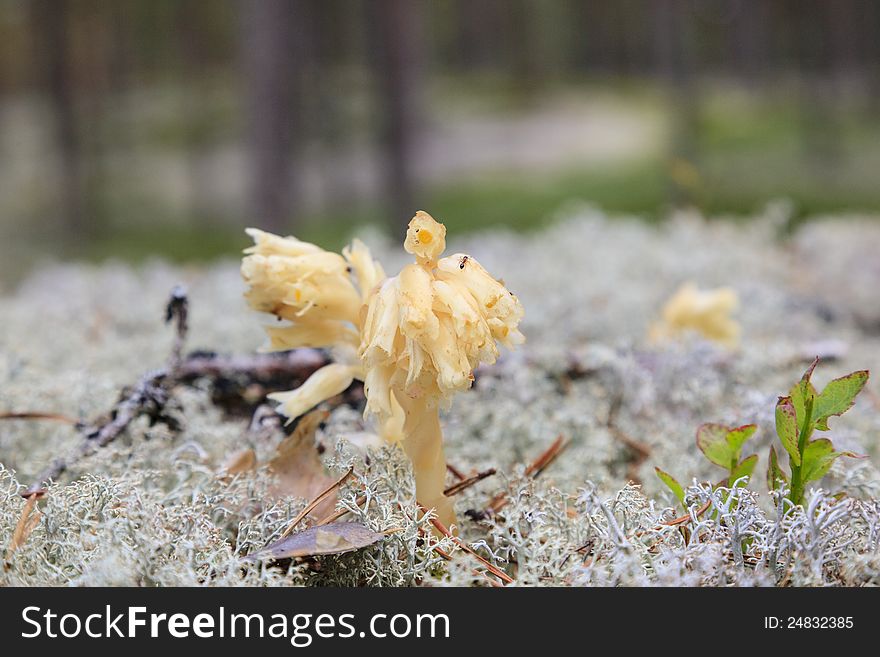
(787, 428)
(722, 445)
(744, 468)
(775, 474)
(838, 397)
(712, 441)
(818, 457)
(738, 436)
(802, 393)
(809, 373)
(672, 483)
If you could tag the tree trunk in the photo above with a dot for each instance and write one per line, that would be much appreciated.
(674, 55)
(51, 24)
(399, 72)
(269, 61)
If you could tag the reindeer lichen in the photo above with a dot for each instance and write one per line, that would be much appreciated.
(153, 509)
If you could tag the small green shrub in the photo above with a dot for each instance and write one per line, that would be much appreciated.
(721, 445)
(800, 413)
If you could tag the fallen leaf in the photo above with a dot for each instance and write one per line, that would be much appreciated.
(334, 538)
(315, 503)
(243, 460)
(298, 469)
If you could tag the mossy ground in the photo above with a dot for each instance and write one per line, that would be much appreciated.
(150, 509)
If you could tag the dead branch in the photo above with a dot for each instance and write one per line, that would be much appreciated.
(455, 472)
(177, 310)
(151, 394)
(263, 368)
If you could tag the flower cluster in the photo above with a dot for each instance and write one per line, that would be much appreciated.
(706, 312)
(319, 294)
(428, 328)
(414, 339)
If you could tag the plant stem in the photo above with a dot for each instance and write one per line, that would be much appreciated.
(423, 443)
(796, 495)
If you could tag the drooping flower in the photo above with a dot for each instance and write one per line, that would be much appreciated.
(706, 312)
(414, 339)
(319, 294)
(424, 332)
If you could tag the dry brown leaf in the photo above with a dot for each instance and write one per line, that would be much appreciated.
(243, 460)
(334, 538)
(27, 522)
(298, 469)
(332, 490)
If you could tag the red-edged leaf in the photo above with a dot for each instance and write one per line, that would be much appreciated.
(712, 441)
(787, 428)
(723, 445)
(838, 397)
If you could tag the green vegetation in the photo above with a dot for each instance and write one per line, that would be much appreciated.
(798, 415)
(722, 446)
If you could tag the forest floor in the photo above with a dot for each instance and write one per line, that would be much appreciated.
(153, 508)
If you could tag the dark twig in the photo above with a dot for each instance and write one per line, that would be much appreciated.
(457, 487)
(455, 472)
(298, 365)
(151, 394)
(177, 309)
(147, 397)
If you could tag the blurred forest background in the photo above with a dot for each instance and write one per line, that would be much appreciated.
(140, 127)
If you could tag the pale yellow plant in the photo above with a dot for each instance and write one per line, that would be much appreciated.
(704, 312)
(424, 333)
(413, 339)
(320, 295)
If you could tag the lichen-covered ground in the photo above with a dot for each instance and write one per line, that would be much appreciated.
(150, 509)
